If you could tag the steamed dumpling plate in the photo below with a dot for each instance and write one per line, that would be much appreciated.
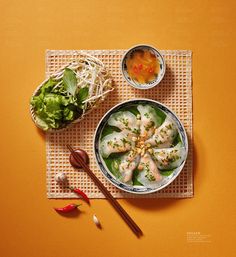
(140, 146)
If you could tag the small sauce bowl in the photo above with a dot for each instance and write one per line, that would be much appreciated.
(143, 66)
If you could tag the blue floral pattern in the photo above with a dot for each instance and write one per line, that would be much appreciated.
(102, 165)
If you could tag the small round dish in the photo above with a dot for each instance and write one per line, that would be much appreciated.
(143, 83)
(102, 164)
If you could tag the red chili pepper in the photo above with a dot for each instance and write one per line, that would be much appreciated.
(140, 66)
(135, 69)
(81, 193)
(151, 70)
(68, 208)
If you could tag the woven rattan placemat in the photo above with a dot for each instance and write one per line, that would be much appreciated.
(175, 91)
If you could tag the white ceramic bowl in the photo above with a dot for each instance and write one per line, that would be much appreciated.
(133, 82)
(102, 165)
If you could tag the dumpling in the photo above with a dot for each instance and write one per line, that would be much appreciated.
(124, 120)
(169, 158)
(116, 142)
(149, 173)
(164, 135)
(128, 164)
(149, 120)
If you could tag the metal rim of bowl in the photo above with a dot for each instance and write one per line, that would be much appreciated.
(124, 187)
(157, 81)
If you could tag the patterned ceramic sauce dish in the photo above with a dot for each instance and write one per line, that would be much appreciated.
(140, 146)
(143, 66)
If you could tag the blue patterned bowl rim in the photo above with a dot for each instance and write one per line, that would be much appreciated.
(134, 83)
(101, 164)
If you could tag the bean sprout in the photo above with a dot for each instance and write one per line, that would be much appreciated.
(90, 72)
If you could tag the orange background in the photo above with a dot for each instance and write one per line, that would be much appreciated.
(29, 225)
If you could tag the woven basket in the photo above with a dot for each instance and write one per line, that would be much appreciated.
(91, 105)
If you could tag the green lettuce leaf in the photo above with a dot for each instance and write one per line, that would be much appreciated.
(166, 172)
(70, 81)
(82, 95)
(135, 178)
(54, 107)
(41, 123)
(48, 86)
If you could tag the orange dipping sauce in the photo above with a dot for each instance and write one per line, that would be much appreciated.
(143, 66)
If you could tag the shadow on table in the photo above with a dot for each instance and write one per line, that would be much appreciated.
(41, 133)
(196, 162)
(154, 204)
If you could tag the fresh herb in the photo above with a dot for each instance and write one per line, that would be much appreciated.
(177, 140)
(113, 165)
(124, 141)
(166, 172)
(135, 178)
(149, 125)
(161, 116)
(148, 173)
(132, 109)
(124, 121)
(110, 143)
(170, 126)
(136, 131)
(158, 142)
(70, 81)
(108, 130)
(57, 103)
(116, 145)
(82, 94)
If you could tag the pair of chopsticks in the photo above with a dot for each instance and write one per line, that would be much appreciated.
(125, 216)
